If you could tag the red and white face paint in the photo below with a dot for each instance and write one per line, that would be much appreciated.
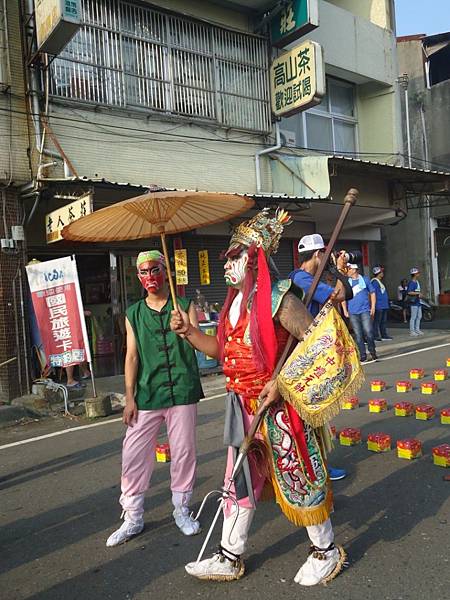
(152, 276)
(236, 269)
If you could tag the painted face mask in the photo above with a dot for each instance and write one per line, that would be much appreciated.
(151, 277)
(235, 269)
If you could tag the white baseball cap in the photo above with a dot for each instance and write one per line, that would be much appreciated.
(308, 243)
(377, 270)
(414, 271)
(352, 266)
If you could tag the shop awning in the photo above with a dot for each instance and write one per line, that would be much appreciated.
(309, 176)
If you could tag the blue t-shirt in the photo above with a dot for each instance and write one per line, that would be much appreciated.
(382, 297)
(414, 286)
(303, 279)
(360, 303)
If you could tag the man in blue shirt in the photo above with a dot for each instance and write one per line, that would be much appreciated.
(361, 310)
(381, 306)
(310, 249)
(414, 296)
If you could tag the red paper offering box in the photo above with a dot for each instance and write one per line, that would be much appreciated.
(424, 412)
(403, 409)
(403, 386)
(350, 436)
(350, 403)
(162, 453)
(409, 448)
(377, 405)
(377, 385)
(428, 387)
(445, 416)
(440, 374)
(416, 373)
(441, 455)
(378, 442)
(448, 362)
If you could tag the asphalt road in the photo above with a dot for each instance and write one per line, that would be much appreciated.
(59, 504)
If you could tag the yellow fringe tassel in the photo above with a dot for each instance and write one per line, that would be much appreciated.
(303, 517)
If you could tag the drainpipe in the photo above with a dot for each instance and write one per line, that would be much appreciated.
(266, 151)
(34, 93)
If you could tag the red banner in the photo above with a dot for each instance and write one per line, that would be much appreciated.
(56, 297)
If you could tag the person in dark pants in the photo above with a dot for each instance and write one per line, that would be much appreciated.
(361, 310)
(310, 248)
(380, 333)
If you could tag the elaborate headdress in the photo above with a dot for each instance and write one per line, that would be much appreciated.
(263, 233)
(263, 230)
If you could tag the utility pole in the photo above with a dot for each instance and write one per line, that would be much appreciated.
(403, 80)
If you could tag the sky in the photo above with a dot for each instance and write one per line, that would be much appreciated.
(422, 16)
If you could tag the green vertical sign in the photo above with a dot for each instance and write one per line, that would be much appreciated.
(296, 19)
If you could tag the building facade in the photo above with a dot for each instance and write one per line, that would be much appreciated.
(176, 95)
(424, 237)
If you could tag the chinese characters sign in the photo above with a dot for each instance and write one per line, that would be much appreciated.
(56, 23)
(181, 267)
(203, 265)
(297, 79)
(296, 19)
(55, 292)
(56, 220)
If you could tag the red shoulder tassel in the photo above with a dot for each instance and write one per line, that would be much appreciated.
(263, 299)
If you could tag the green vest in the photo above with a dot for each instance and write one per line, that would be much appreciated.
(168, 370)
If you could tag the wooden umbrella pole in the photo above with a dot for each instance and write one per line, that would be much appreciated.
(169, 272)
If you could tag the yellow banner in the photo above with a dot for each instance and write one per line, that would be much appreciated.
(323, 370)
(203, 265)
(181, 267)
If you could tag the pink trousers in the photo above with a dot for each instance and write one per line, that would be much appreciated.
(138, 453)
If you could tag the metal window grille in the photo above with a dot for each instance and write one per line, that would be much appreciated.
(128, 55)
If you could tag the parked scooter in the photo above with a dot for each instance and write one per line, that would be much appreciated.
(396, 310)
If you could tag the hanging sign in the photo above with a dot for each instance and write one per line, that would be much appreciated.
(297, 79)
(181, 267)
(57, 21)
(296, 19)
(58, 219)
(56, 297)
(203, 264)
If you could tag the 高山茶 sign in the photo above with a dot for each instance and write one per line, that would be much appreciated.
(297, 79)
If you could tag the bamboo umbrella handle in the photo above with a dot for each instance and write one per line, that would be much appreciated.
(169, 273)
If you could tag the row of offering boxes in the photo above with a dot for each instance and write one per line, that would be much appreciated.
(423, 412)
(408, 448)
(426, 387)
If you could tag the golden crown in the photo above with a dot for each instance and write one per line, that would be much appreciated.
(263, 230)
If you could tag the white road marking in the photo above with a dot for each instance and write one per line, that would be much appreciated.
(72, 429)
(412, 352)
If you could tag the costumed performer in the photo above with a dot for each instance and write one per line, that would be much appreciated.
(162, 384)
(257, 317)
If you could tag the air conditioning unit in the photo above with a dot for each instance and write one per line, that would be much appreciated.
(288, 138)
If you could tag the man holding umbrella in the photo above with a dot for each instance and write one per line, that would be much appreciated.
(257, 316)
(162, 384)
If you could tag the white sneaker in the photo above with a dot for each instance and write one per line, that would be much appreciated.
(413, 334)
(185, 522)
(217, 568)
(321, 566)
(125, 532)
(419, 332)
